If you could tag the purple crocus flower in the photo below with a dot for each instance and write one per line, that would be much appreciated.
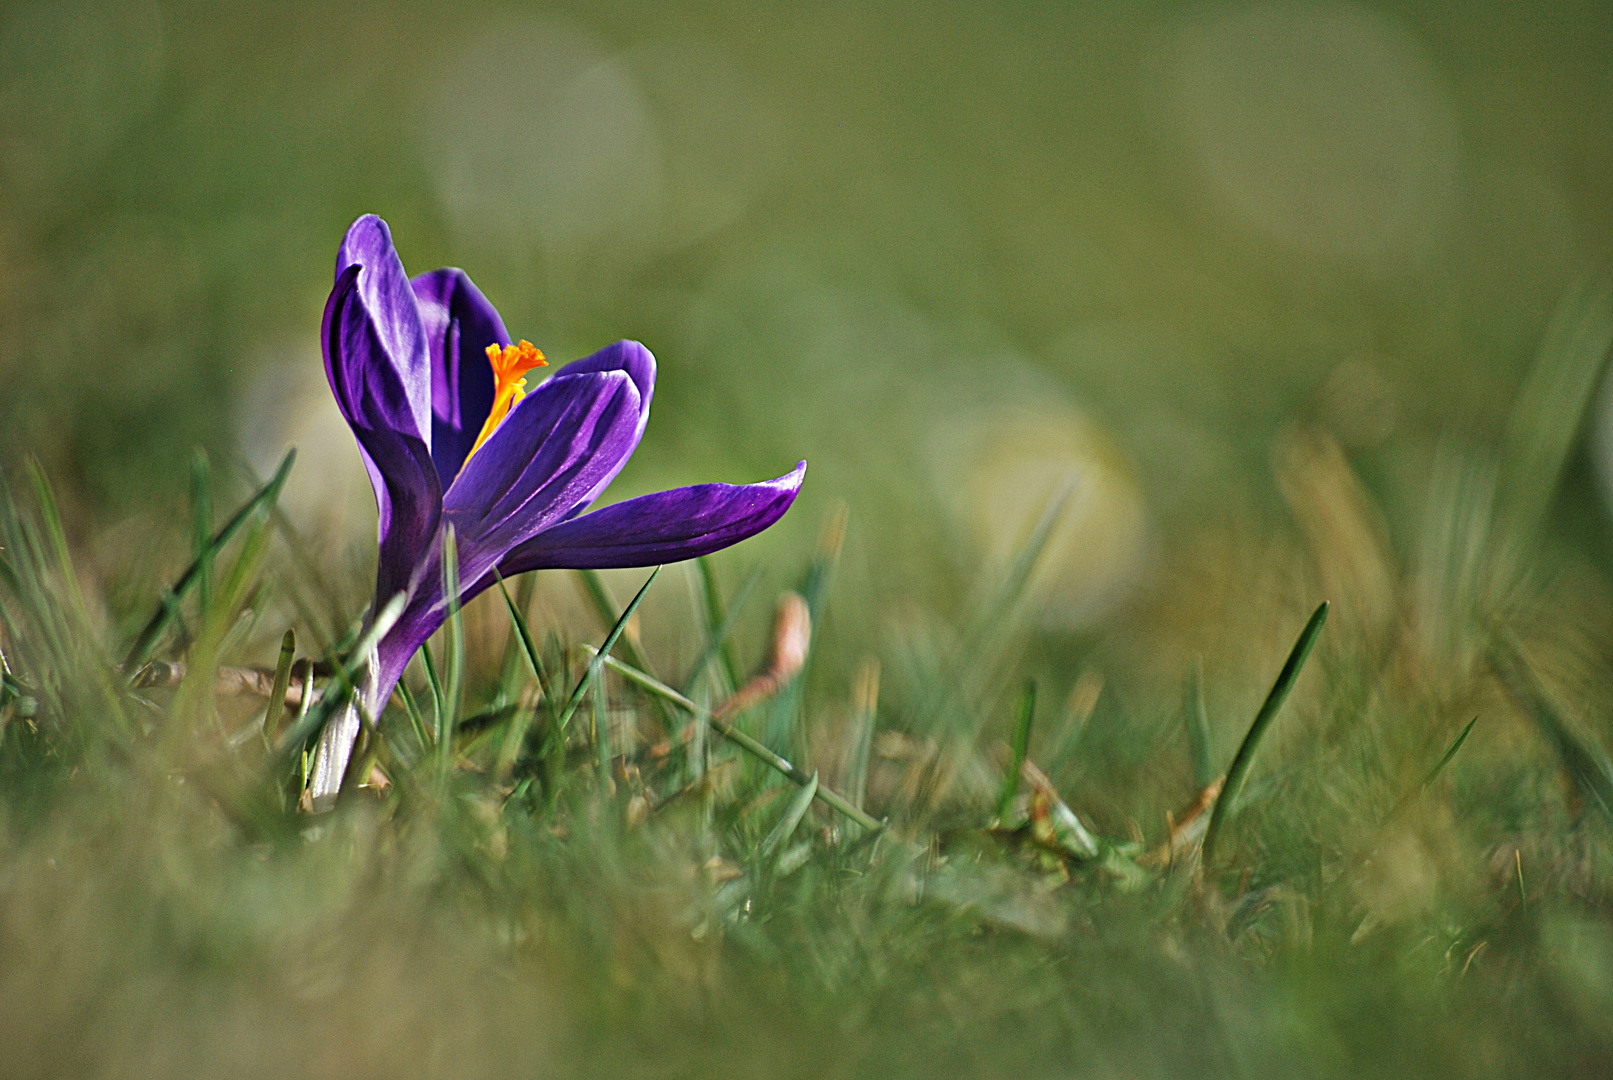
(427, 378)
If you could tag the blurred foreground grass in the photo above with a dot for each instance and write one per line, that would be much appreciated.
(557, 870)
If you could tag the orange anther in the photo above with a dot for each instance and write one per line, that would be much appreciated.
(510, 363)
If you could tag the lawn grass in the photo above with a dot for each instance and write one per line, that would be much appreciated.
(564, 860)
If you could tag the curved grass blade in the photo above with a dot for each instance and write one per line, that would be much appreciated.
(237, 589)
(1238, 771)
(6, 688)
(599, 595)
(792, 818)
(514, 656)
(434, 684)
(1450, 752)
(305, 700)
(168, 608)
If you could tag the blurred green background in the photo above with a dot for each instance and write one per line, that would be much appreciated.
(955, 255)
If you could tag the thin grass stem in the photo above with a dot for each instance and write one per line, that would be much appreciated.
(717, 623)
(1450, 752)
(282, 682)
(1018, 748)
(453, 655)
(602, 654)
(1238, 771)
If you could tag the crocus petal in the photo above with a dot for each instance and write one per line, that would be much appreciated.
(639, 364)
(379, 370)
(459, 324)
(550, 452)
(665, 527)
(397, 338)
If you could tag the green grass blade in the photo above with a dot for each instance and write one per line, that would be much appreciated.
(865, 715)
(1552, 403)
(738, 738)
(439, 707)
(8, 684)
(310, 569)
(514, 658)
(963, 678)
(1198, 727)
(719, 635)
(717, 623)
(342, 685)
(792, 818)
(1450, 752)
(1025, 562)
(282, 682)
(238, 584)
(417, 722)
(201, 508)
(1238, 771)
(820, 572)
(51, 519)
(783, 725)
(453, 655)
(159, 622)
(75, 644)
(1018, 748)
(523, 634)
(305, 701)
(521, 723)
(599, 595)
(311, 718)
(1586, 763)
(601, 732)
(603, 653)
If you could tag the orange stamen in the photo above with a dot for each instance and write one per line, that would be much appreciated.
(510, 363)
